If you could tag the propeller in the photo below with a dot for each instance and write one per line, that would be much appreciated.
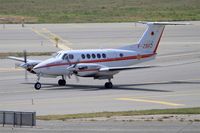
(25, 65)
(25, 56)
(77, 79)
(72, 69)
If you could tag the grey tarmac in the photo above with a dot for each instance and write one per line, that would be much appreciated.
(107, 127)
(175, 83)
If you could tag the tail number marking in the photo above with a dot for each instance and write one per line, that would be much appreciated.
(145, 46)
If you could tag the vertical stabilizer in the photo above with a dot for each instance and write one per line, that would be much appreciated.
(150, 39)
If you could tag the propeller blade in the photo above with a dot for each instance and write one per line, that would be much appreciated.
(77, 79)
(72, 69)
(68, 60)
(25, 56)
(76, 63)
(26, 75)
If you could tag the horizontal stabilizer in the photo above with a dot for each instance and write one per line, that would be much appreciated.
(164, 23)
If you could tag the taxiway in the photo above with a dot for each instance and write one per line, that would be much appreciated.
(174, 84)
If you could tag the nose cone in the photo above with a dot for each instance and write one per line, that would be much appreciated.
(38, 68)
(43, 67)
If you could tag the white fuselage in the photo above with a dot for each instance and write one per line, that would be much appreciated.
(104, 57)
(99, 63)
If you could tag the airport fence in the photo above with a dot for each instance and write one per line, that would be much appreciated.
(18, 118)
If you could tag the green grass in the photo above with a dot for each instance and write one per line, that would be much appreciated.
(68, 11)
(122, 113)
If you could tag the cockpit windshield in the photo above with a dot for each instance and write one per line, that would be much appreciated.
(65, 57)
(56, 55)
(68, 57)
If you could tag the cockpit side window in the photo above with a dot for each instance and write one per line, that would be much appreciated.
(65, 57)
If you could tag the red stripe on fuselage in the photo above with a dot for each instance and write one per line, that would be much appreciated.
(100, 60)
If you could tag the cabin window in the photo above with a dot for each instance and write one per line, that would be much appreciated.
(104, 55)
(121, 55)
(88, 56)
(98, 55)
(71, 56)
(93, 56)
(83, 56)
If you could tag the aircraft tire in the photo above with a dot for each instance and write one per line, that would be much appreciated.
(61, 82)
(108, 85)
(37, 86)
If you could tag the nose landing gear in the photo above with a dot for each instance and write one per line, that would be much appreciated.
(38, 84)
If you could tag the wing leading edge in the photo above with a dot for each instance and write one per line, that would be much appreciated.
(22, 60)
(123, 68)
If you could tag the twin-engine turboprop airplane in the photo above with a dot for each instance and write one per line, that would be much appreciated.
(99, 63)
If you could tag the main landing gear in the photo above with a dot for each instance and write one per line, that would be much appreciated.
(62, 82)
(108, 84)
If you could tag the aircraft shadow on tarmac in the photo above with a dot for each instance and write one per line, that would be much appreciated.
(134, 87)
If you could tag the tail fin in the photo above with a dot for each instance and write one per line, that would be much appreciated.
(149, 41)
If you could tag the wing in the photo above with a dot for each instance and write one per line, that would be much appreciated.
(99, 71)
(28, 65)
(123, 68)
(22, 59)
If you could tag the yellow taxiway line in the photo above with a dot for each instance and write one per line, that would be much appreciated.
(42, 102)
(62, 44)
(150, 101)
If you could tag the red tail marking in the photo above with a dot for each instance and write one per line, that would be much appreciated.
(158, 41)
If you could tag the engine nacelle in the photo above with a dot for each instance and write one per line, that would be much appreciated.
(28, 66)
(87, 69)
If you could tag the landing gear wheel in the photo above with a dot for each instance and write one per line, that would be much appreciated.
(61, 82)
(108, 85)
(37, 86)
